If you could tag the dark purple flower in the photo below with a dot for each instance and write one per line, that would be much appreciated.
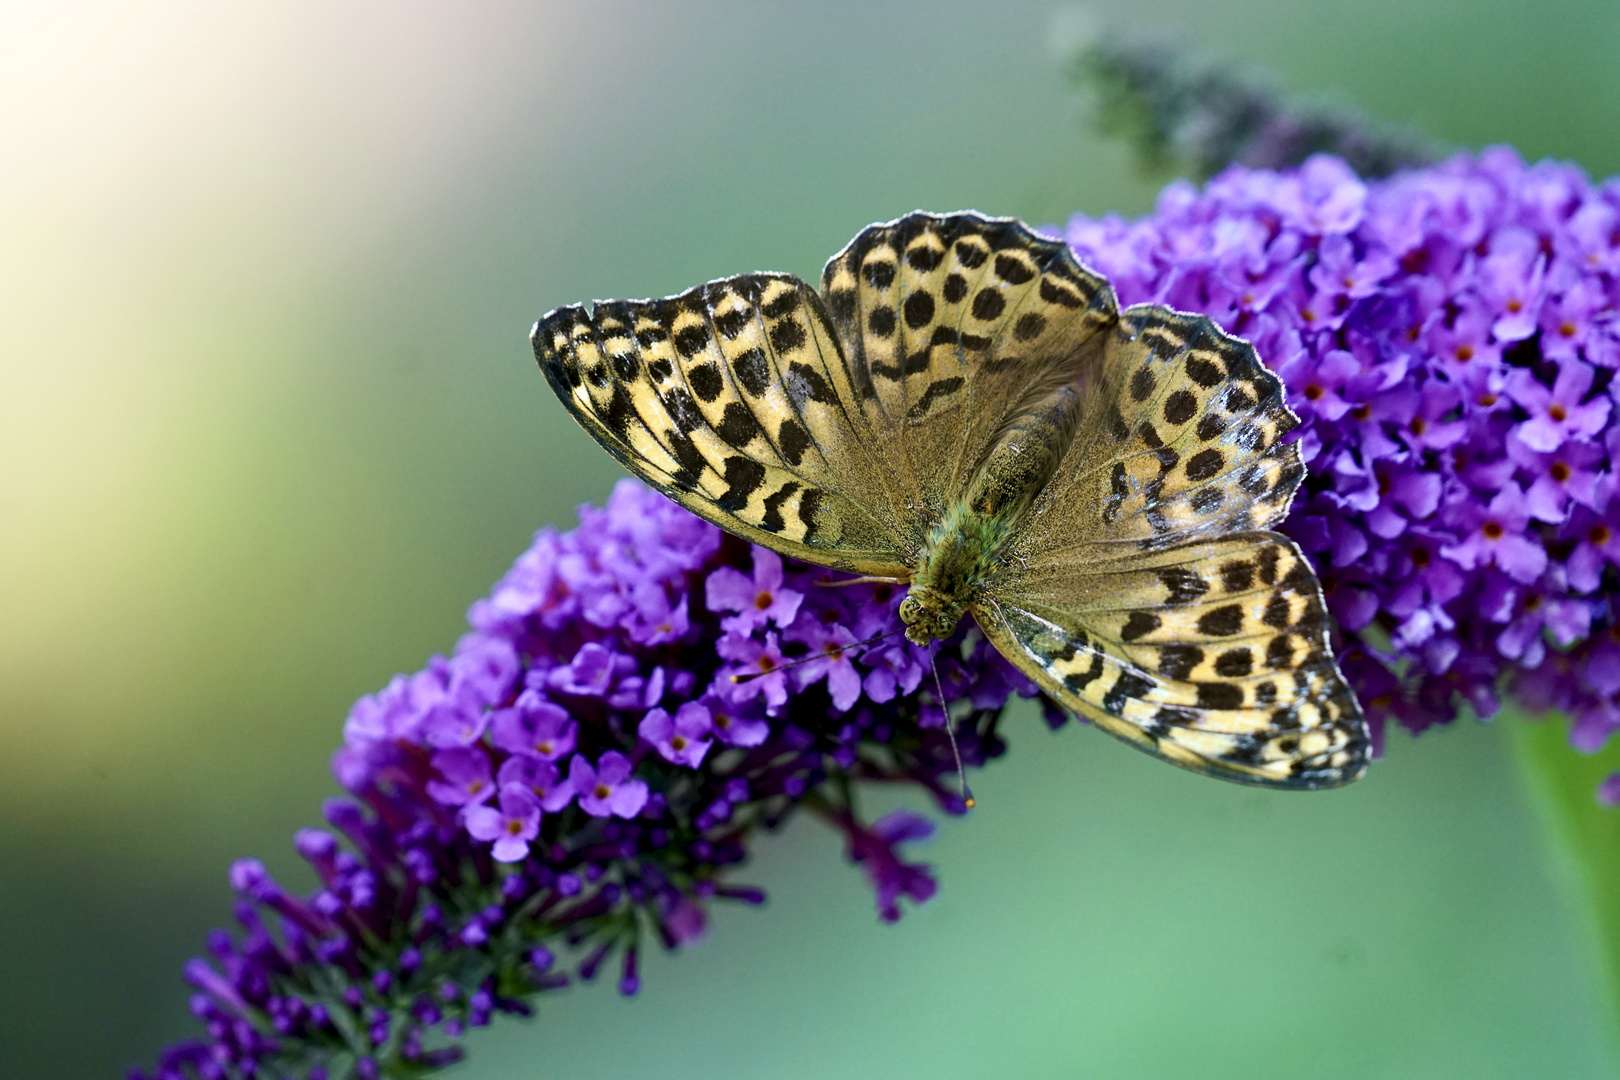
(511, 827)
(535, 726)
(1558, 413)
(758, 600)
(592, 672)
(736, 724)
(466, 777)
(607, 788)
(683, 738)
(758, 669)
(550, 787)
(1495, 535)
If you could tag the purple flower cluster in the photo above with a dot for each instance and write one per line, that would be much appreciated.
(636, 700)
(1449, 337)
(640, 697)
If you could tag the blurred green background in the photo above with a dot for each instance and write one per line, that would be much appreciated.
(269, 423)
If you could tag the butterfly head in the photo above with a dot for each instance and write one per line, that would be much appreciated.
(928, 615)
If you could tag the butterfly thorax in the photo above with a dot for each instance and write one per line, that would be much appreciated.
(963, 551)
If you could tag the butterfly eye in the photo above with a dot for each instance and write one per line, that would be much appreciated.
(909, 610)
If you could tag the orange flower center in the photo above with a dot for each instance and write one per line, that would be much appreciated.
(1557, 413)
(1492, 531)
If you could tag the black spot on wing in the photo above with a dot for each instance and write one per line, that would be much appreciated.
(1079, 680)
(737, 425)
(1205, 464)
(1205, 373)
(879, 273)
(881, 321)
(772, 522)
(1177, 661)
(988, 304)
(1142, 383)
(939, 388)
(919, 310)
(1280, 652)
(793, 440)
(787, 336)
(742, 478)
(1237, 576)
(1029, 326)
(692, 461)
(782, 305)
(804, 383)
(971, 253)
(1013, 270)
(1180, 407)
(923, 258)
(753, 371)
(1234, 663)
(1119, 488)
(683, 410)
(1222, 621)
(1184, 585)
(1130, 687)
(691, 341)
(955, 288)
(705, 380)
(1140, 624)
(809, 507)
(1219, 696)
(731, 323)
(1055, 293)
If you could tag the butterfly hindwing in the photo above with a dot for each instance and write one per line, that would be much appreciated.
(1184, 437)
(1212, 654)
(730, 398)
(948, 321)
(1145, 558)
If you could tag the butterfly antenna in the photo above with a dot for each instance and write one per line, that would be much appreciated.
(752, 675)
(961, 775)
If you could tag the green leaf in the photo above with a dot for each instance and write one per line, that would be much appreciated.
(1585, 836)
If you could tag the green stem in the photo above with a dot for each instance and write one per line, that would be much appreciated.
(1585, 838)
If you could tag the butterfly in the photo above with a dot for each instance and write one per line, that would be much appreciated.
(963, 408)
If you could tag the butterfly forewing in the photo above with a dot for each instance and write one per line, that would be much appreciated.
(949, 321)
(727, 399)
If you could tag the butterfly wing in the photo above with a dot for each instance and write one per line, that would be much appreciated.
(948, 322)
(734, 400)
(1144, 591)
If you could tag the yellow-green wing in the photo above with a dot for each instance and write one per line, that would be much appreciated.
(948, 323)
(1142, 589)
(734, 400)
(1211, 654)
